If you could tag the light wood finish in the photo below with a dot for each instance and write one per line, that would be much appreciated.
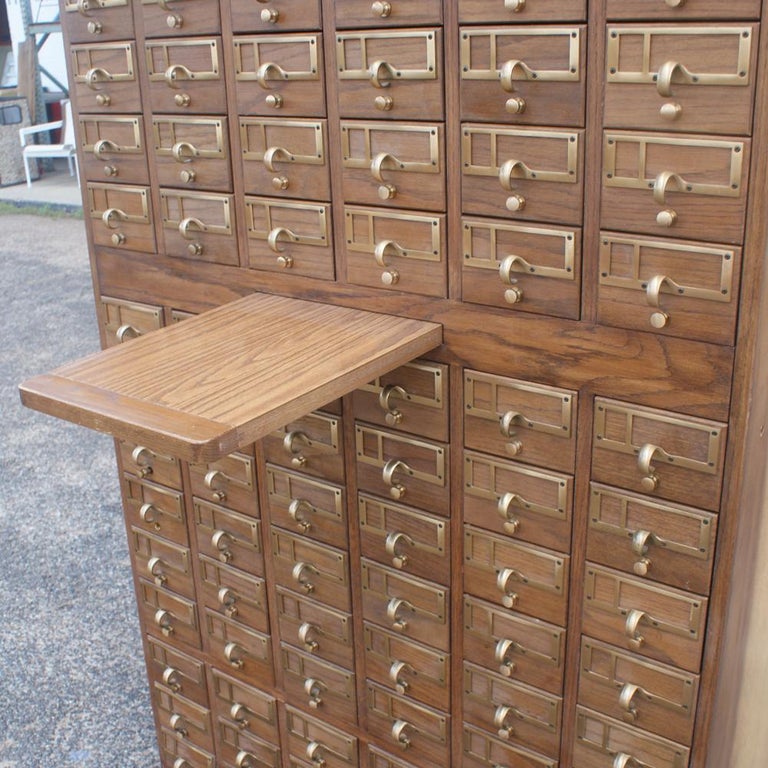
(130, 390)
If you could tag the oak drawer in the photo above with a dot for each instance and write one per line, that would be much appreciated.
(313, 741)
(278, 15)
(168, 615)
(244, 652)
(666, 454)
(525, 268)
(407, 539)
(521, 11)
(230, 480)
(105, 20)
(166, 563)
(125, 320)
(121, 216)
(155, 508)
(181, 673)
(105, 77)
(113, 149)
(179, 17)
(524, 75)
(526, 650)
(691, 9)
(175, 750)
(395, 74)
(398, 13)
(148, 464)
(291, 237)
(528, 504)
(189, 721)
(650, 695)
(238, 746)
(400, 251)
(480, 750)
(660, 623)
(186, 75)
(523, 173)
(532, 423)
(412, 398)
(415, 608)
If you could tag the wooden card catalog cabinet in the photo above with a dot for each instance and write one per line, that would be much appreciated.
(513, 517)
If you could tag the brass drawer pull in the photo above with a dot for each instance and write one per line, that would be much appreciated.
(97, 75)
(126, 333)
(83, 6)
(103, 148)
(393, 416)
(314, 690)
(504, 508)
(233, 653)
(650, 481)
(506, 422)
(381, 9)
(142, 458)
(186, 227)
(239, 713)
(227, 599)
(631, 626)
(273, 238)
(176, 73)
(180, 762)
(502, 721)
(113, 217)
(513, 295)
(164, 620)
(665, 180)
(298, 509)
(315, 754)
(514, 5)
(502, 653)
(149, 514)
(245, 759)
(396, 490)
(640, 542)
(301, 574)
(270, 71)
(172, 678)
(221, 541)
(384, 161)
(514, 169)
(307, 636)
(376, 70)
(389, 276)
(652, 293)
(293, 443)
(178, 724)
(622, 759)
(276, 153)
(673, 72)
(503, 581)
(514, 70)
(216, 482)
(184, 152)
(401, 733)
(393, 547)
(155, 568)
(396, 676)
(395, 608)
(627, 696)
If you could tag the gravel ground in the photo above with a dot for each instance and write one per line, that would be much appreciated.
(73, 690)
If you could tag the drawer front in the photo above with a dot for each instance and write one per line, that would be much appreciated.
(522, 649)
(182, 674)
(112, 148)
(399, 13)
(125, 320)
(279, 15)
(674, 288)
(412, 398)
(692, 9)
(657, 452)
(105, 20)
(523, 75)
(287, 158)
(528, 579)
(408, 668)
(162, 561)
(668, 78)
(145, 463)
(312, 444)
(233, 593)
(236, 745)
(399, 722)
(180, 17)
(296, 238)
(656, 622)
(105, 77)
(394, 165)
(525, 503)
(311, 569)
(530, 269)
(523, 174)
(652, 696)
(229, 537)
(603, 743)
(404, 468)
(414, 608)
(192, 152)
(667, 543)
(314, 508)
(516, 713)
(532, 423)
(230, 480)
(199, 226)
(517, 11)
(397, 251)
(188, 720)
(394, 74)
(324, 687)
(279, 73)
(481, 750)
(318, 743)
(174, 749)
(314, 627)
(155, 508)
(121, 217)
(407, 539)
(374, 757)
(186, 76)
(245, 653)
(675, 185)
(167, 615)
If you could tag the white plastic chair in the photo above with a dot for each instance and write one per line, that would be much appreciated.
(40, 151)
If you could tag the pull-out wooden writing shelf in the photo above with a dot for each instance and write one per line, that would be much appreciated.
(225, 379)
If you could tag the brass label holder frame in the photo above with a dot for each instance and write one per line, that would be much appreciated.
(176, 125)
(282, 154)
(263, 65)
(179, 196)
(318, 239)
(137, 193)
(111, 147)
(370, 68)
(91, 52)
(427, 132)
(166, 73)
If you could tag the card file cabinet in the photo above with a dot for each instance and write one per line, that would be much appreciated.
(538, 544)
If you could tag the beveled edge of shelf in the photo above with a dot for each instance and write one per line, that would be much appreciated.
(139, 406)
